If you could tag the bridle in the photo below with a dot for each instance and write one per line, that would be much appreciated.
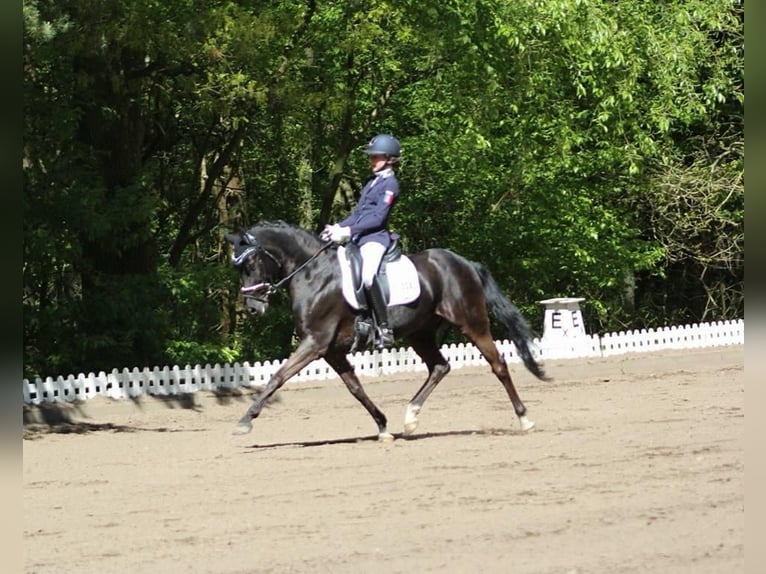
(262, 291)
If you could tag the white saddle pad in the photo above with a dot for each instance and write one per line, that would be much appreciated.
(403, 283)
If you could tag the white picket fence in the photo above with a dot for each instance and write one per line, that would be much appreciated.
(180, 380)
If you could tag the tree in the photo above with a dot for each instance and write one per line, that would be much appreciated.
(576, 147)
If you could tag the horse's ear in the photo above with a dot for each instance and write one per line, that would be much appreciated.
(232, 238)
(246, 237)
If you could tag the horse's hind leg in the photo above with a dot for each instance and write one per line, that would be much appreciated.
(425, 346)
(486, 345)
(302, 356)
(340, 364)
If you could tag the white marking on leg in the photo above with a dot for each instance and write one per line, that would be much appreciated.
(411, 418)
(385, 437)
(243, 428)
(526, 424)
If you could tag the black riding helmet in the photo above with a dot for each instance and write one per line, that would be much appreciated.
(384, 144)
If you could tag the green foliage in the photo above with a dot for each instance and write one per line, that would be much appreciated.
(576, 147)
(182, 352)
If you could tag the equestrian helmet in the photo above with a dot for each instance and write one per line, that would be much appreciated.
(383, 144)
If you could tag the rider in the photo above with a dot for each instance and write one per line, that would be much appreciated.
(367, 226)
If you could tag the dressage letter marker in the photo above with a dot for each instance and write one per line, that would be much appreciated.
(564, 327)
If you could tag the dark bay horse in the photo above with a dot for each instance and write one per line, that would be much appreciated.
(454, 290)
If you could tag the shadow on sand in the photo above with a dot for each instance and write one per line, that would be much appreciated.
(374, 438)
(67, 417)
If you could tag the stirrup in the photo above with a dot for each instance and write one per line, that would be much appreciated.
(384, 337)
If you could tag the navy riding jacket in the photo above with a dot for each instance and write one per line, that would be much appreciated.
(369, 220)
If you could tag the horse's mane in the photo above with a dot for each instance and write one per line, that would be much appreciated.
(303, 237)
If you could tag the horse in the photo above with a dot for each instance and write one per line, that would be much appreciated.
(453, 291)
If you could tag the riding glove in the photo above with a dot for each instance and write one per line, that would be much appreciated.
(336, 233)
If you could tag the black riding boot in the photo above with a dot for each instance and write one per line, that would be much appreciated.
(384, 336)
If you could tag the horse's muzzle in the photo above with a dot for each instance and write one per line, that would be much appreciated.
(255, 306)
(256, 298)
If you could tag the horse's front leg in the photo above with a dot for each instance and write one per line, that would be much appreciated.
(307, 351)
(340, 364)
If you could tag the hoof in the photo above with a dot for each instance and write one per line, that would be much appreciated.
(526, 424)
(243, 427)
(411, 419)
(385, 437)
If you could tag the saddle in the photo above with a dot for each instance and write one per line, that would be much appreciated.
(397, 276)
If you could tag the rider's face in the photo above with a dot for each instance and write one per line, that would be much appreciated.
(377, 162)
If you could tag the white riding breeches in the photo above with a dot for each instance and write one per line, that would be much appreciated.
(372, 254)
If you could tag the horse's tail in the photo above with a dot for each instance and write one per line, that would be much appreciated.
(511, 318)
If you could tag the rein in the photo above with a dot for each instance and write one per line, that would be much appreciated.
(272, 288)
